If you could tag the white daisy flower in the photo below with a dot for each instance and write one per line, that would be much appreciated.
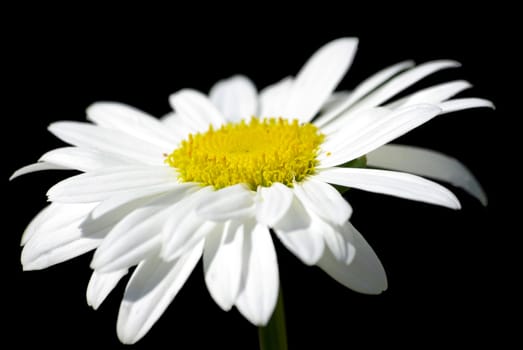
(217, 176)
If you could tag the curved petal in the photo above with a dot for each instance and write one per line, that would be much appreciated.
(363, 89)
(100, 285)
(433, 94)
(132, 121)
(235, 97)
(371, 130)
(318, 78)
(392, 183)
(459, 104)
(152, 287)
(196, 110)
(273, 203)
(428, 163)
(102, 184)
(40, 166)
(260, 278)
(222, 263)
(365, 274)
(324, 200)
(274, 97)
(401, 82)
(115, 142)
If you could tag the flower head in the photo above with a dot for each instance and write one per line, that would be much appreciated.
(255, 153)
(219, 174)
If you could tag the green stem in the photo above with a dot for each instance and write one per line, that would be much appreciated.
(274, 335)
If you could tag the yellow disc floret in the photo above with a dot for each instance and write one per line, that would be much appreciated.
(256, 153)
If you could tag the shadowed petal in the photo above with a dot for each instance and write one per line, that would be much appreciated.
(222, 263)
(364, 274)
(428, 163)
(101, 284)
(260, 279)
(152, 287)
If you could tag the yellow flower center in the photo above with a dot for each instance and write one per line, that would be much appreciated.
(256, 153)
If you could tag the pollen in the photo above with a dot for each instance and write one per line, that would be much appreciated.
(258, 152)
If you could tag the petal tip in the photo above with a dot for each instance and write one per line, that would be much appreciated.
(349, 43)
(31, 265)
(483, 199)
(489, 104)
(452, 63)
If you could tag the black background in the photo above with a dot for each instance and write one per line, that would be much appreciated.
(449, 271)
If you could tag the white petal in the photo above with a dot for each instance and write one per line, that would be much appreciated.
(169, 117)
(371, 131)
(318, 78)
(363, 89)
(401, 82)
(324, 200)
(76, 158)
(100, 285)
(137, 236)
(150, 290)
(428, 163)
(433, 94)
(274, 97)
(260, 279)
(108, 219)
(102, 184)
(365, 273)
(55, 235)
(335, 242)
(127, 119)
(196, 110)
(43, 215)
(31, 168)
(177, 124)
(273, 203)
(184, 228)
(464, 103)
(235, 97)
(54, 217)
(107, 140)
(222, 263)
(334, 101)
(83, 159)
(354, 125)
(391, 183)
(229, 203)
(307, 242)
(66, 245)
(145, 193)
(295, 218)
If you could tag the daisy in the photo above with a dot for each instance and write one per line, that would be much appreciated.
(219, 174)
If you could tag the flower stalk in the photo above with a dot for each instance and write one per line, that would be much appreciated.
(274, 335)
